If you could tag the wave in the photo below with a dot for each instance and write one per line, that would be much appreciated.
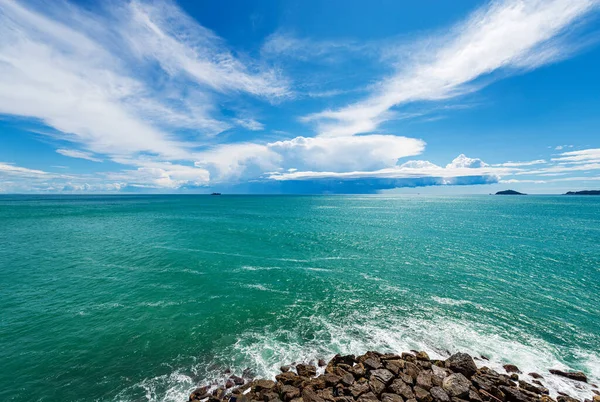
(263, 352)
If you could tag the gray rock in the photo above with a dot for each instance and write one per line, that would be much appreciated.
(372, 363)
(456, 385)
(391, 398)
(376, 386)
(439, 394)
(401, 388)
(461, 363)
(424, 380)
(359, 388)
(383, 375)
(368, 397)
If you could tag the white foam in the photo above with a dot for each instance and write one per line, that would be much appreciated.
(321, 337)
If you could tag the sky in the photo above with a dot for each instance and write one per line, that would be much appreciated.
(299, 96)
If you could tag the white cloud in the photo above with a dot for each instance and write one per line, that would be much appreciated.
(462, 161)
(582, 156)
(235, 161)
(94, 78)
(411, 169)
(73, 153)
(163, 32)
(518, 164)
(250, 124)
(13, 170)
(512, 34)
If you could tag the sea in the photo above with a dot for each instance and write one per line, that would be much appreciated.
(146, 297)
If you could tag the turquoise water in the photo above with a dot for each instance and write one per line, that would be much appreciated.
(143, 297)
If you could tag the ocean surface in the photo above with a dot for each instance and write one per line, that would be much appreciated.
(134, 298)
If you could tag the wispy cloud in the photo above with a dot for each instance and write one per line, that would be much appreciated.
(517, 164)
(511, 35)
(73, 153)
(123, 83)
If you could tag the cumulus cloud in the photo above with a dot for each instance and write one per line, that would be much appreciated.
(302, 153)
(511, 35)
(461, 166)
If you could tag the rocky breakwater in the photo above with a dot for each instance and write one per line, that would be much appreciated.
(409, 377)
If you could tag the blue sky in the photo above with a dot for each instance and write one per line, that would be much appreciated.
(299, 96)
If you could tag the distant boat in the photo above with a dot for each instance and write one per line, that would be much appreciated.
(215, 193)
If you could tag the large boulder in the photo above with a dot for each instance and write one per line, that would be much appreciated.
(461, 363)
(456, 385)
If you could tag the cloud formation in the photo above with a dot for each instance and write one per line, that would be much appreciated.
(512, 35)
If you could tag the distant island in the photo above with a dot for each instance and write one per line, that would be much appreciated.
(584, 192)
(509, 192)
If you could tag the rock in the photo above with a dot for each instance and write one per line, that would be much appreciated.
(321, 363)
(368, 397)
(409, 357)
(271, 397)
(401, 388)
(383, 375)
(422, 355)
(422, 394)
(412, 370)
(359, 388)
(456, 385)
(288, 378)
(237, 380)
(439, 371)
(533, 388)
(199, 393)
(229, 384)
(424, 380)
(306, 370)
(347, 359)
(347, 379)
(536, 375)
(395, 366)
(392, 398)
(308, 395)
(461, 363)
(372, 363)
(514, 377)
(563, 398)
(327, 394)
(358, 370)
(331, 379)
(342, 399)
(573, 375)
(262, 385)
(596, 398)
(284, 369)
(515, 395)
(511, 368)
(439, 394)
(474, 396)
(376, 386)
(289, 392)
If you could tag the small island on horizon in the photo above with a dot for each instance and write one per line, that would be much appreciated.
(583, 192)
(509, 192)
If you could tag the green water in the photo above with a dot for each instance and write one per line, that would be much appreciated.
(143, 297)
